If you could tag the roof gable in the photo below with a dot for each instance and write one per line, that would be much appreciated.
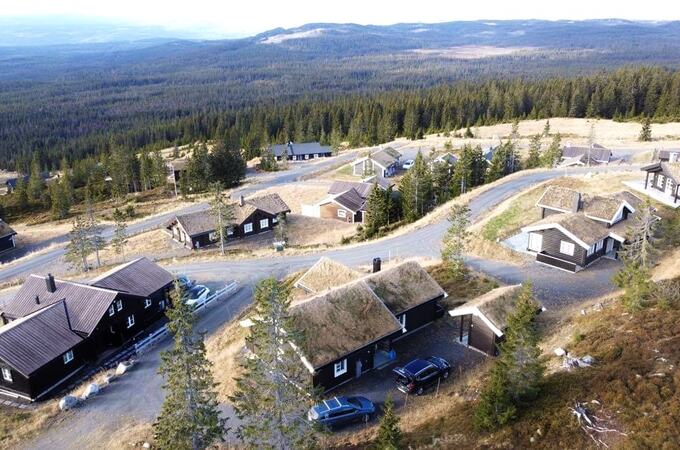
(350, 200)
(560, 199)
(270, 203)
(140, 277)
(29, 343)
(363, 189)
(326, 274)
(582, 230)
(5, 229)
(86, 304)
(493, 308)
(341, 321)
(404, 286)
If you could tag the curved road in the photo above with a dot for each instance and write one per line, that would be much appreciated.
(137, 396)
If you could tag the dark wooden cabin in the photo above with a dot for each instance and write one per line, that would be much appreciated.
(300, 151)
(251, 216)
(482, 321)
(88, 320)
(7, 237)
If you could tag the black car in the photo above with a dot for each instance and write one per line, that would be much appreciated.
(340, 411)
(421, 374)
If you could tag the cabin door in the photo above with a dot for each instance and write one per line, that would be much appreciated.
(610, 245)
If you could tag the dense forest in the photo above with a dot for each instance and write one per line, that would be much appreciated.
(361, 119)
(78, 100)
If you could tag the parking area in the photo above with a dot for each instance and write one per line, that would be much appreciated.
(438, 339)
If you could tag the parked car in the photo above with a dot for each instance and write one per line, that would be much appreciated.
(185, 282)
(196, 295)
(408, 164)
(421, 374)
(340, 411)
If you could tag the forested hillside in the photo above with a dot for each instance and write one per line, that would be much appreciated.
(361, 119)
(305, 83)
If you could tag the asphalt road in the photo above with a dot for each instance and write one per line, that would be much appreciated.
(41, 261)
(138, 396)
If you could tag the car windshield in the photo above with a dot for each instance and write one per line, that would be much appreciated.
(195, 291)
(354, 402)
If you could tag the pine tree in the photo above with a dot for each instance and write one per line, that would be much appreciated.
(275, 392)
(198, 169)
(636, 281)
(94, 231)
(534, 159)
(268, 161)
(119, 239)
(389, 433)
(646, 131)
(66, 181)
(455, 240)
(223, 214)
(640, 249)
(79, 246)
(515, 377)
(190, 417)
(442, 175)
(468, 133)
(160, 170)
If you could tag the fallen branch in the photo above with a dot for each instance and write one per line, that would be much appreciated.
(592, 425)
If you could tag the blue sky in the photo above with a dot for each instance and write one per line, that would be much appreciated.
(249, 17)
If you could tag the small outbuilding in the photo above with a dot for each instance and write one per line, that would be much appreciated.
(7, 237)
(482, 321)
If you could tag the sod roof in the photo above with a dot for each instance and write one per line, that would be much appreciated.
(560, 198)
(324, 275)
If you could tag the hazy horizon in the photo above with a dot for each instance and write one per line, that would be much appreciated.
(228, 21)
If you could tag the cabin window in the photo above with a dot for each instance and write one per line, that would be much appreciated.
(340, 368)
(119, 305)
(599, 246)
(402, 322)
(112, 310)
(230, 231)
(147, 302)
(161, 304)
(213, 236)
(342, 213)
(567, 248)
(6, 374)
(264, 223)
(130, 321)
(247, 228)
(68, 356)
(275, 219)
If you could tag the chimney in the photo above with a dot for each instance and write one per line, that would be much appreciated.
(37, 300)
(49, 281)
(376, 264)
(241, 201)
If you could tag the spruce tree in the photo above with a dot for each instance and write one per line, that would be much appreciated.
(389, 433)
(21, 193)
(377, 211)
(59, 200)
(226, 165)
(281, 230)
(36, 184)
(553, 154)
(646, 131)
(455, 240)
(190, 417)
(515, 378)
(119, 239)
(198, 169)
(546, 128)
(640, 248)
(416, 190)
(534, 159)
(94, 230)
(222, 213)
(275, 391)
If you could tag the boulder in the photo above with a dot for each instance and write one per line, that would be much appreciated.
(67, 403)
(91, 390)
(559, 351)
(123, 368)
(587, 360)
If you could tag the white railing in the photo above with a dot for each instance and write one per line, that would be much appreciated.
(228, 289)
(159, 334)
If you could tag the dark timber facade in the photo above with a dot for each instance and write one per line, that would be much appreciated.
(53, 328)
